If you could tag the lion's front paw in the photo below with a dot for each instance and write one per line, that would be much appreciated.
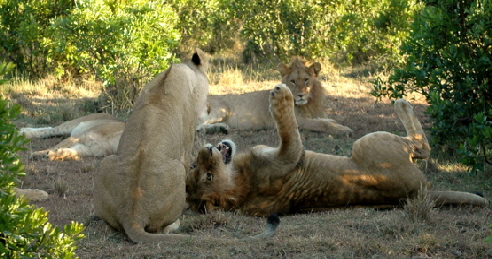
(281, 100)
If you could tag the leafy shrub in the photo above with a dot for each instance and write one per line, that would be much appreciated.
(449, 62)
(124, 44)
(134, 39)
(24, 230)
(129, 42)
(346, 31)
(209, 24)
(25, 37)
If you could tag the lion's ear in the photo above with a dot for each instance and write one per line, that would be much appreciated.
(283, 68)
(200, 59)
(316, 67)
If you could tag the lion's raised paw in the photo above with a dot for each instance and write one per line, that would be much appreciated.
(281, 100)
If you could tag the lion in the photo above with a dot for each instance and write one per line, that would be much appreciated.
(95, 134)
(289, 179)
(31, 194)
(141, 189)
(248, 111)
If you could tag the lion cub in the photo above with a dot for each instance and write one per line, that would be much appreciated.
(141, 189)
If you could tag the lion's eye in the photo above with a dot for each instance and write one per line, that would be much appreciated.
(209, 177)
(306, 81)
(293, 82)
(193, 166)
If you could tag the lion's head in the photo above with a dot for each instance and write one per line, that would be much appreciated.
(210, 178)
(305, 86)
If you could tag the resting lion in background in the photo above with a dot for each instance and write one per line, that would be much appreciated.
(31, 194)
(95, 134)
(288, 179)
(248, 111)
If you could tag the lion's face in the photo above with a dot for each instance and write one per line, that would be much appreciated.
(300, 79)
(206, 178)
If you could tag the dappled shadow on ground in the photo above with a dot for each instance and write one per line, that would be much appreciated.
(363, 115)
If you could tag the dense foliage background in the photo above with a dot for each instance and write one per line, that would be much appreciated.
(440, 48)
(106, 38)
(449, 61)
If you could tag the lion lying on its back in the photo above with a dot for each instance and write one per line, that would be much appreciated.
(248, 111)
(96, 134)
(288, 179)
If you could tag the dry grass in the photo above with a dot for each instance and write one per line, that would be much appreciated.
(414, 231)
(420, 208)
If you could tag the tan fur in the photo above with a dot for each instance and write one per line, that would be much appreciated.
(95, 134)
(31, 194)
(65, 129)
(287, 179)
(141, 190)
(248, 111)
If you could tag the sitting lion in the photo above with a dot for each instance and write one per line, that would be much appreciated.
(289, 179)
(95, 134)
(248, 111)
(141, 190)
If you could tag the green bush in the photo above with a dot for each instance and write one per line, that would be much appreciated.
(349, 32)
(114, 38)
(209, 24)
(136, 38)
(124, 44)
(449, 62)
(25, 37)
(24, 230)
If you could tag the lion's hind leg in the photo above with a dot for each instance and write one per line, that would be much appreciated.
(45, 154)
(31, 133)
(413, 128)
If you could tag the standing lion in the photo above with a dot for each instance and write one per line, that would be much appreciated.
(141, 189)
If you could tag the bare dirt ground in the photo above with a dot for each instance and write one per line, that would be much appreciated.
(338, 233)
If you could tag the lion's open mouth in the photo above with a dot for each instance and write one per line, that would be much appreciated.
(226, 151)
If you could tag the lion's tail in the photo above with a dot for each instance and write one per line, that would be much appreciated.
(137, 234)
(457, 198)
(272, 223)
(413, 128)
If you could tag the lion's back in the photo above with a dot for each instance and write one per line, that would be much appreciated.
(243, 111)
